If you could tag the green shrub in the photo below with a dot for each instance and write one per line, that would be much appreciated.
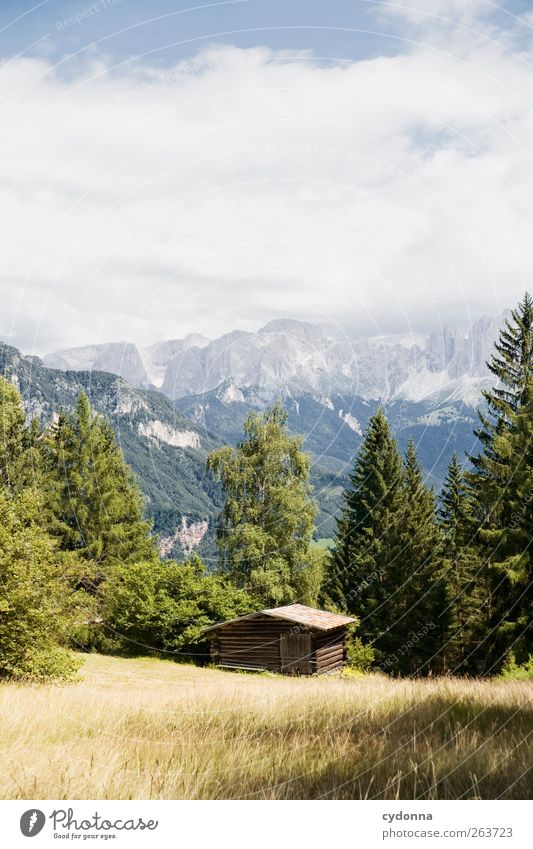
(511, 669)
(92, 635)
(359, 656)
(163, 606)
(37, 605)
(49, 663)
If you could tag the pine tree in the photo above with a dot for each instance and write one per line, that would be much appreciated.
(95, 505)
(502, 461)
(267, 521)
(512, 365)
(361, 567)
(419, 617)
(517, 546)
(455, 511)
(508, 541)
(386, 567)
(465, 578)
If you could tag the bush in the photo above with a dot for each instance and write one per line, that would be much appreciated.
(93, 636)
(49, 663)
(163, 606)
(512, 670)
(358, 655)
(37, 605)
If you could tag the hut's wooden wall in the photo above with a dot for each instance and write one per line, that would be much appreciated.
(328, 650)
(249, 644)
(296, 653)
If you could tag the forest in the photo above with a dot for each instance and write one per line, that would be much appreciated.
(440, 583)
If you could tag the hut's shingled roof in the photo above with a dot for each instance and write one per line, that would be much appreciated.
(300, 614)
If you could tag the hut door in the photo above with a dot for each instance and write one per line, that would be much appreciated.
(295, 653)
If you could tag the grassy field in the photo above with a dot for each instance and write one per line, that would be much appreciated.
(325, 543)
(152, 729)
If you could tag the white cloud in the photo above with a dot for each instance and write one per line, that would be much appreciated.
(247, 184)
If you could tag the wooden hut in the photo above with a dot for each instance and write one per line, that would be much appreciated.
(294, 639)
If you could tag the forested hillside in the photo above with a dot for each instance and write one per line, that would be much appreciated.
(333, 428)
(166, 451)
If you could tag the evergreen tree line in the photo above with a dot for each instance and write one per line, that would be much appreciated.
(437, 584)
(79, 565)
(445, 585)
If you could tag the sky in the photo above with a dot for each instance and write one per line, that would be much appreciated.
(171, 167)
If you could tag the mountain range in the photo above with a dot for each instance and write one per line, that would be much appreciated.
(173, 402)
(429, 385)
(292, 358)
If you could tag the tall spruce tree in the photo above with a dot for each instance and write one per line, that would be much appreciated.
(511, 365)
(504, 436)
(455, 509)
(419, 612)
(362, 564)
(465, 577)
(95, 505)
(507, 540)
(386, 567)
(516, 543)
(267, 521)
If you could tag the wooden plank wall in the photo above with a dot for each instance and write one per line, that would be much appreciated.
(329, 651)
(296, 653)
(250, 644)
(255, 644)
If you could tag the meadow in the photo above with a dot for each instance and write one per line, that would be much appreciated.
(151, 729)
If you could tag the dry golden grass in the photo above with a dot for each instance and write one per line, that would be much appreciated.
(151, 729)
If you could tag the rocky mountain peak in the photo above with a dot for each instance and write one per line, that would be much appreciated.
(291, 356)
(293, 327)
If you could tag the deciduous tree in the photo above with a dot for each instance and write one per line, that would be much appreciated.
(267, 521)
